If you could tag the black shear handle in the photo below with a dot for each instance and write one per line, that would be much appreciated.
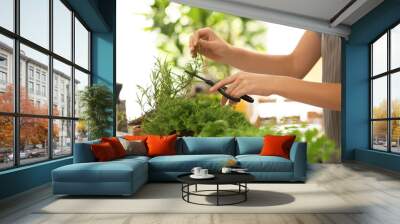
(235, 99)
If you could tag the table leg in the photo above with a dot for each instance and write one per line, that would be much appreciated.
(188, 190)
(217, 194)
(245, 193)
(182, 189)
(195, 188)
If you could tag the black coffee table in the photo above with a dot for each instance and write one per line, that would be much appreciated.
(238, 179)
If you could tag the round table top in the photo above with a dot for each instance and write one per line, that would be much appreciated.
(220, 178)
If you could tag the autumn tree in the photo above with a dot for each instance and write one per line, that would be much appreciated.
(33, 131)
(379, 128)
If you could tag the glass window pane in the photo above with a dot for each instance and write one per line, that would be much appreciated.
(395, 94)
(33, 140)
(6, 142)
(395, 136)
(379, 135)
(62, 89)
(81, 131)
(34, 96)
(62, 29)
(81, 45)
(379, 97)
(62, 138)
(6, 74)
(7, 14)
(379, 55)
(81, 82)
(395, 47)
(35, 21)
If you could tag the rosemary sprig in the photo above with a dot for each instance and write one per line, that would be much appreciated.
(195, 67)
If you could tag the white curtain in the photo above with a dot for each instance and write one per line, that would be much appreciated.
(331, 50)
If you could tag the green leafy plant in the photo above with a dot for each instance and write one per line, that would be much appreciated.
(97, 102)
(165, 85)
(319, 147)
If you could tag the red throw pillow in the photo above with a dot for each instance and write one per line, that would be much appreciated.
(277, 145)
(103, 152)
(135, 137)
(116, 145)
(161, 145)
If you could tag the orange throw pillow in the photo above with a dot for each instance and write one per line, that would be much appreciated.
(135, 137)
(103, 152)
(161, 145)
(277, 145)
(116, 145)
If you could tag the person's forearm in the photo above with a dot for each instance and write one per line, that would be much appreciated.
(326, 95)
(254, 62)
(296, 65)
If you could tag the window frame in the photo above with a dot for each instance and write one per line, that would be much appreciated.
(16, 114)
(388, 74)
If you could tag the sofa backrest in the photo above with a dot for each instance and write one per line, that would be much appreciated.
(206, 145)
(83, 152)
(249, 145)
(192, 146)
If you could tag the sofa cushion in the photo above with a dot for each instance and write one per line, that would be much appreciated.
(159, 145)
(207, 145)
(185, 163)
(135, 137)
(249, 145)
(277, 145)
(134, 147)
(257, 163)
(131, 158)
(112, 171)
(103, 152)
(116, 145)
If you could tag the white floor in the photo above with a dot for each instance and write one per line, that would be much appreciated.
(377, 190)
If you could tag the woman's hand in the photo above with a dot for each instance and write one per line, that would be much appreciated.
(243, 83)
(326, 95)
(204, 41)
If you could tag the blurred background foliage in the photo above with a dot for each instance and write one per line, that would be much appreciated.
(175, 23)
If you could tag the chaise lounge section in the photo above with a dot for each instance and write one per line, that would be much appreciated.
(125, 176)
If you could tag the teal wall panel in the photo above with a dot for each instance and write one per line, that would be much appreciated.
(356, 127)
(24, 178)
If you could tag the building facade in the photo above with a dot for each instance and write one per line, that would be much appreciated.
(34, 82)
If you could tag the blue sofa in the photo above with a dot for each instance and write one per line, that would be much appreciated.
(125, 176)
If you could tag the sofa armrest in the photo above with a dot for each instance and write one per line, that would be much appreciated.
(298, 155)
(83, 152)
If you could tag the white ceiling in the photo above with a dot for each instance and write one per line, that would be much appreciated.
(316, 15)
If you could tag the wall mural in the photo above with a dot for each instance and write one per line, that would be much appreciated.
(293, 76)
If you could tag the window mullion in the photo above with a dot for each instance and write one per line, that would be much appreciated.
(389, 101)
(371, 140)
(16, 85)
(50, 81)
(73, 82)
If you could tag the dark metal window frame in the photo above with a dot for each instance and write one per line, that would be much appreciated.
(16, 115)
(388, 74)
